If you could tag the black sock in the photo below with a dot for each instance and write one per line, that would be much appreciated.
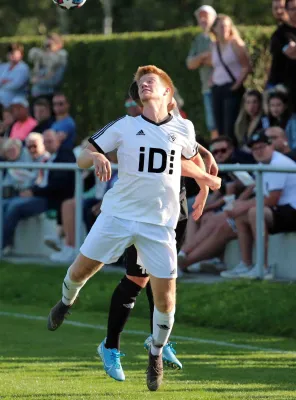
(122, 303)
(151, 304)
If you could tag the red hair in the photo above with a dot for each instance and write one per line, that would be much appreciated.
(152, 69)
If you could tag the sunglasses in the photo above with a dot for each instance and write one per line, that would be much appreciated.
(217, 151)
(58, 103)
(32, 146)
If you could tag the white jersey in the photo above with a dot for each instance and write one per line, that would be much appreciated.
(149, 167)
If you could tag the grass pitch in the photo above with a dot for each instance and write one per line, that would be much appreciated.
(38, 364)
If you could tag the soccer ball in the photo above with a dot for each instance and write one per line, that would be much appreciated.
(69, 4)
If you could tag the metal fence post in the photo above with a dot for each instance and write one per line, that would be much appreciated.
(260, 227)
(78, 209)
(1, 211)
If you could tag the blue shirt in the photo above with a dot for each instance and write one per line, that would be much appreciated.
(68, 126)
(18, 80)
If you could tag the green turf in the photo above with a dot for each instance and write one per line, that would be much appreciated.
(38, 364)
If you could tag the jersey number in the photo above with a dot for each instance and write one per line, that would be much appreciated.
(151, 154)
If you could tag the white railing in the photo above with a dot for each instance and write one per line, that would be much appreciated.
(257, 169)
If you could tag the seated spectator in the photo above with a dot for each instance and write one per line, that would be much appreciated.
(49, 65)
(279, 201)
(15, 179)
(36, 148)
(42, 114)
(279, 114)
(207, 238)
(55, 187)
(64, 124)
(249, 119)
(14, 75)
(280, 141)
(231, 66)
(6, 123)
(132, 108)
(24, 123)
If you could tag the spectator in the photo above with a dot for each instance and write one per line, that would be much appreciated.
(56, 186)
(15, 179)
(279, 201)
(207, 239)
(14, 75)
(231, 64)
(36, 148)
(280, 141)
(42, 114)
(24, 123)
(278, 113)
(64, 125)
(249, 119)
(6, 123)
(279, 11)
(132, 108)
(49, 65)
(198, 58)
(283, 51)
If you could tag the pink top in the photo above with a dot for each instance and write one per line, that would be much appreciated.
(20, 130)
(220, 75)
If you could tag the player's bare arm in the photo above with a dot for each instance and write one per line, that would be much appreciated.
(191, 169)
(210, 163)
(91, 157)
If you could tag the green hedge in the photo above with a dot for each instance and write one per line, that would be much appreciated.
(101, 69)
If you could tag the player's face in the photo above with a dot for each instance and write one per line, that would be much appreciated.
(151, 88)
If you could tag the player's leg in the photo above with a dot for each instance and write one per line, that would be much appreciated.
(157, 251)
(105, 243)
(124, 298)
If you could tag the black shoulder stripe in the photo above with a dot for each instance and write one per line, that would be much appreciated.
(101, 131)
(98, 148)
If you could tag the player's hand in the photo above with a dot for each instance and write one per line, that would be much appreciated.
(210, 164)
(172, 105)
(102, 167)
(215, 183)
(199, 204)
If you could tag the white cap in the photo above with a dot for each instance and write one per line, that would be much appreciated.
(21, 101)
(208, 9)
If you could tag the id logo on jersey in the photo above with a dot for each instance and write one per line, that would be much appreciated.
(152, 152)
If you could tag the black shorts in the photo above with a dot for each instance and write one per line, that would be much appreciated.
(284, 219)
(130, 254)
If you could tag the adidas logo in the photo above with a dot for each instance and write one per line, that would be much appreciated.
(140, 133)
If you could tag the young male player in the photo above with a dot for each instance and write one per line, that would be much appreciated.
(130, 286)
(142, 207)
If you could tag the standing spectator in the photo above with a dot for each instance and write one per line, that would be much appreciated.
(279, 201)
(42, 113)
(280, 141)
(24, 123)
(283, 51)
(49, 65)
(232, 65)
(56, 186)
(14, 75)
(279, 11)
(64, 125)
(198, 58)
(249, 119)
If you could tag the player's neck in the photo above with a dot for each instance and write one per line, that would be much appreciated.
(155, 112)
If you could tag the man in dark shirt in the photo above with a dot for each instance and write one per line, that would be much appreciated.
(42, 113)
(283, 50)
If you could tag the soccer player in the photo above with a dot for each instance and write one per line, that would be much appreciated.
(136, 279)
(142, 207)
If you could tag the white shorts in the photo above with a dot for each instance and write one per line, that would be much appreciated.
(156, 245)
